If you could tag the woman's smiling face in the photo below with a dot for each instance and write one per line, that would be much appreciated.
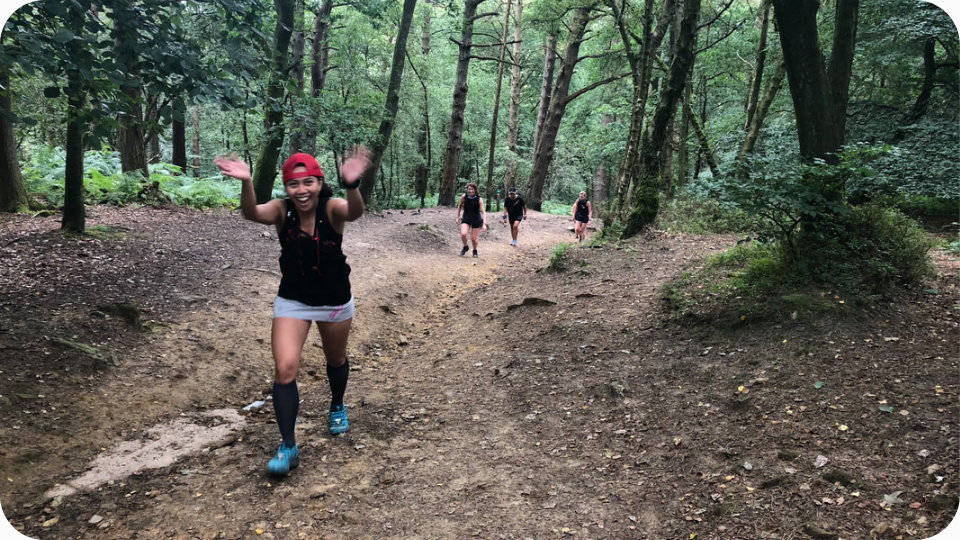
(304, 192)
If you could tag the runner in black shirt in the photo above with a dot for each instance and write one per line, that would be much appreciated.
(474, 217)
(514, 209)
(581, 216)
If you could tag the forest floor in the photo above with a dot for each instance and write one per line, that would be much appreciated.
(591, 413)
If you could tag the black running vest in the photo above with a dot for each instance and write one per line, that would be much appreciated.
(314, 268)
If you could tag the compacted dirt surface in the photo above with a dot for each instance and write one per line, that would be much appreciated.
(488, 398)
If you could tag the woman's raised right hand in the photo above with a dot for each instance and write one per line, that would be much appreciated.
(233, 167)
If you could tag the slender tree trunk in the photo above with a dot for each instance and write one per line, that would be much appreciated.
(647, 196)
(601, 179)
(705, 149)
(179, 137)
(297, 45)
(513, 118)
(130, 140)
(451, 162)
(13, 193)
(549, 65)
(74, 212)
(320, 59)
(196, 140)
(496, 107)
(641, 67)
(683, 152)
(753, 132)
(265, 169)
(421, 174)
(756, 77)
(392, 103)
(543, 154)
(153, 134)
(929, 81)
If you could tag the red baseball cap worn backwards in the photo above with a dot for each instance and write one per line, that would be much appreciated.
(313, 168)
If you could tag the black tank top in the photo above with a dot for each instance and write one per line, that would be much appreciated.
(581, 207)
(314, 268)
(471, 207)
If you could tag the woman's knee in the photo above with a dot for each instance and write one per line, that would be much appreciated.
(285, 372)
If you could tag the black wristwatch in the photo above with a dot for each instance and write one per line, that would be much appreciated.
(354, 185)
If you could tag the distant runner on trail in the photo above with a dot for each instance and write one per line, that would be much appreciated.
(514, 209)
(474, 217)
(581, 216)
(315, 283)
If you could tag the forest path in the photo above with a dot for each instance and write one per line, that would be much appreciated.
(589, 415)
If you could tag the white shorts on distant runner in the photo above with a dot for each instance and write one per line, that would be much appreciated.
(283, 307)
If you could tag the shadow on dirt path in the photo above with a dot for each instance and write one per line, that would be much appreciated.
(587, 413)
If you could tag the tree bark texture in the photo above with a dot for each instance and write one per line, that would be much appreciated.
(378, 148)
(641, 67)
(549, 66)
(647, 195)
(601, 178)
(513, 117)
(265, 169)
(153, 135)
(13, 193)
(196, 140)
(421, 174)
(297, 46)
(819, 96)
(929, 81)
(179, 137)
(74, 212)
(451, 160)
(756, 78)
(756, 123)
(496, 107)
(130, 139)
(543, 153)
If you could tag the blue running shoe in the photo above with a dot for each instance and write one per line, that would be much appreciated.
(286, 459)
(338, 420)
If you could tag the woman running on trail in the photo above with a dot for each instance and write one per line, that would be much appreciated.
(315, 283)
(581, 216)
(514, 209)
(474, 218)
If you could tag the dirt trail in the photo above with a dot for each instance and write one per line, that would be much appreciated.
(589, 415)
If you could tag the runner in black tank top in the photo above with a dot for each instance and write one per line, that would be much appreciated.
(581, 216)
(315, 283)
(474, 218)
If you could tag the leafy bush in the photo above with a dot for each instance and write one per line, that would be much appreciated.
(691, 213)
(556, 208)
(558, 259)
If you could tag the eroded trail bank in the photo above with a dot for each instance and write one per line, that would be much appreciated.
(587, 413)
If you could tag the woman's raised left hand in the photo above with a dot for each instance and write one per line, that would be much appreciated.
(354, 164)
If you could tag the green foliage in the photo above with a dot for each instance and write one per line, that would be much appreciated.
(558, 258)
(690, 213)
(556, 208)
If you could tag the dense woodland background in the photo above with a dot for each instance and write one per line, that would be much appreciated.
(789, 120)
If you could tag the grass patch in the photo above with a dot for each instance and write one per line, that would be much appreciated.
(558, 259)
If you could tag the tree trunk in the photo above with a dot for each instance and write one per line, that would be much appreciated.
(130, 140)
(265, 169)
(549, 65)
(320, 59)
(13, 194)
(297, 44)
(756, 77)
(451, 161)
(368, 179)
(753, 133)
(641, 67)
(496, 107)
(153, 133)
(601, 178)
(196, 140)
(819, 97)
(647, 196)
(705, 149)
(929, 81)
(683, 134)
(513, 118)
(543, 153)
(74, 212)
(421, 175)
(179, 137)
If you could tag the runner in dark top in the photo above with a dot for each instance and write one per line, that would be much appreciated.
(514, 209)
(474, 218)
(315, 282)
(581, 216)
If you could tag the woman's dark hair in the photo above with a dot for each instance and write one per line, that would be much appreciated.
(475, 189)
(325, 191)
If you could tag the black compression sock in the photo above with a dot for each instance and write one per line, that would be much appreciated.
(338, 382)
(286, 403)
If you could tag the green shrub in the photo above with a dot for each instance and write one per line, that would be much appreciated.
(558, 259)
(692, 214)
(556, 208)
